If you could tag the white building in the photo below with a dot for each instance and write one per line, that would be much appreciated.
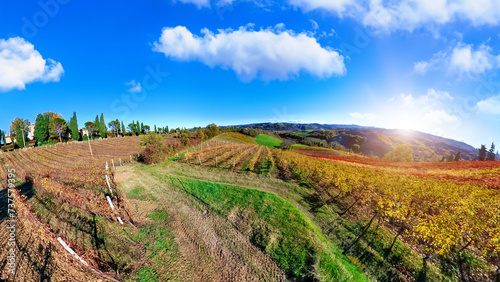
(31, 131)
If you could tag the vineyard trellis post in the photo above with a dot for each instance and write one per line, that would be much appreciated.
(90, 147)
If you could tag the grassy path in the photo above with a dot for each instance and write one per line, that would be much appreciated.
(207, 246)
(223, 232)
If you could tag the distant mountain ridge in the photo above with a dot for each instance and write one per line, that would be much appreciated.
(373, 141)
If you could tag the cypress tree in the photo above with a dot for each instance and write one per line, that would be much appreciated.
(482, 153)
(155, 129)
(41, 128)
(73, 126)
(103, 127)
(19, 137)
(123, 129)
(138, 128)
(97, 124)
(491, 153)
(142, 128)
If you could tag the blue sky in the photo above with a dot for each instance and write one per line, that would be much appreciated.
(427, 65)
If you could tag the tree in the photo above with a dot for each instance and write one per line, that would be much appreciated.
(491, 153)
(103, 127)
(97, 125)
(152, 139)
(482, 153)
(184, 136)
(212, 130)
(51, 116)
(355, 147)
(142, 128)
(115, 126)
(457, 157)
(18, 129)
(73, 126)
(200, 135)
(41, 128)
(60, 127)
(154, 151)
(90, 129)
(166, 129)
(133, 127)
(3, 138)
(156, 130)
(402, 153)
(123, 129)
(138, 128)
(450, 158)
(147, 129)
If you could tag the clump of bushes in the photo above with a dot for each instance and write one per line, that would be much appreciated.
(155, 151)
(154, 148)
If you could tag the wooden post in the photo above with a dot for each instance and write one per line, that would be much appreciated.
(90, 147)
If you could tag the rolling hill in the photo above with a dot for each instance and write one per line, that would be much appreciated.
(372, 141)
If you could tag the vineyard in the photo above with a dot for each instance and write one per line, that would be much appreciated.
(484, 173)
(436, 216)
(70, 192)
(66, 194)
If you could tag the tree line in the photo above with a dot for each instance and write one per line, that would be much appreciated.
(487, 155)
(50, 128)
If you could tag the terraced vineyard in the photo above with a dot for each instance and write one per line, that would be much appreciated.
(435, 216)
(65, 194)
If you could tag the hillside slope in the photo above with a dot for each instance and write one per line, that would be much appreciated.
(373, 141)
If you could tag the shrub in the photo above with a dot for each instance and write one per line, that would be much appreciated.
(152, 155)
(154, 148)
(152, 139)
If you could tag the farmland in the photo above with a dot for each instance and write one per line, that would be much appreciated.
(231, 209)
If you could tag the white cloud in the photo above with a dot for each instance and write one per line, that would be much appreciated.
(268, 54)
(367, 116)
(337, 6)
(21, 64)
(440, 116)
(431, 99)
(490, 105)
(421, 67)
(423, 112)
(135, 87)
(465, 60)
(198, 3)
(462, 59)
(390, 15)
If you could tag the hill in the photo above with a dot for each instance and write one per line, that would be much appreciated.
(229, 209)
(372, 141)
